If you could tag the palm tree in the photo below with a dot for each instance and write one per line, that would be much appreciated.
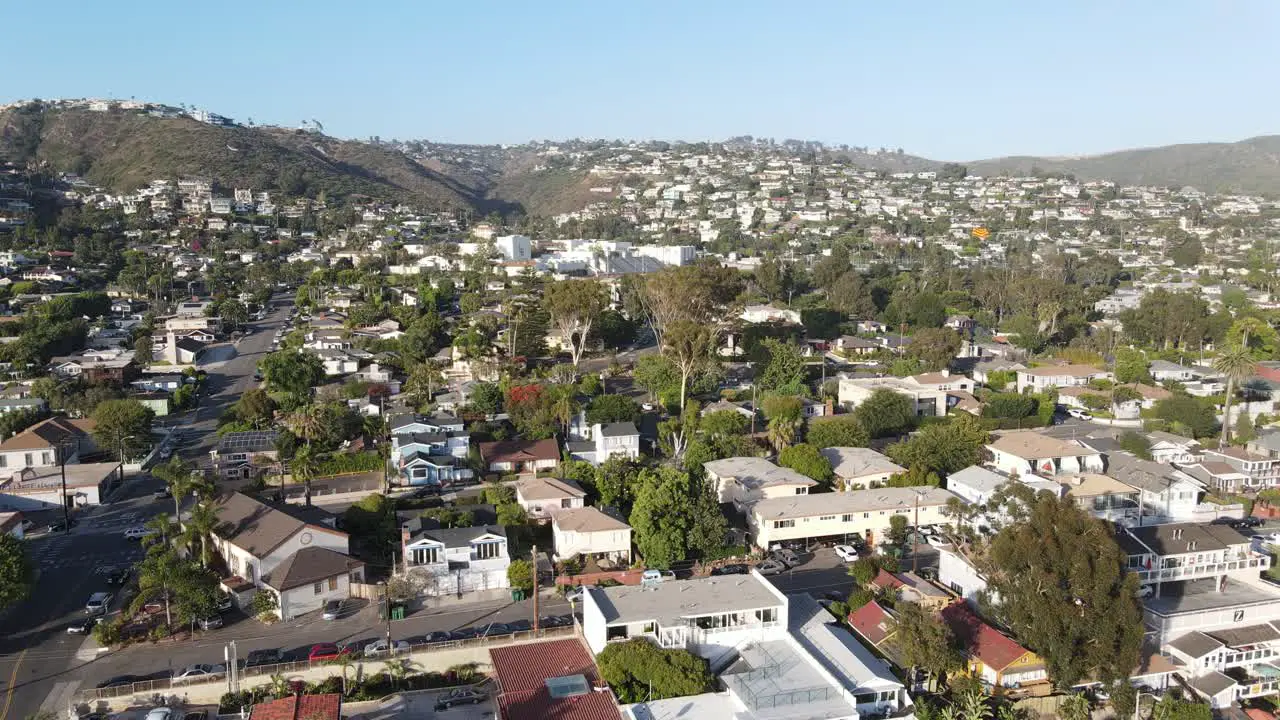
(398, 670)
(304, 466)
(564, 407)
(1236, 365)
(200, 526)
(782, 432)
(347, 662)
(973, 706)
(166, 530)
(310, 423)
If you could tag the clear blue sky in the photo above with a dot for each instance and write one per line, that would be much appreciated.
(952, 80)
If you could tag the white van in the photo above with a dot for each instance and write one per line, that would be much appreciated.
(98, 603)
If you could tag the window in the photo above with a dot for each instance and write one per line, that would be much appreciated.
(4, 461)
(566, 503)
(767, 615)
(802, 491)
(866, 515)
(333, 583)
(488, 551)
(425, 556)
(784, 523)
(826, 518)
(846, 518)
(28, 459)
(319, 587)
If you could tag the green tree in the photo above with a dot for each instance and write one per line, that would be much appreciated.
(1074, 707)
(605, 409)
(1064, 590)
(512, 514)
(784, 372)
(17, 574)
(123, 424)
(1009, 405)
(143, 350)
(851, 296)
(638, 670)
(486, 398)
(944, 448)
(1188, 415)
(656, 374)
(615, 481)
(806, 460)
(233, 313)
(934, 348)
(886, 413)
(1131, 367)
(1000, 379)
(520, 575)
(292, 372)
(1236, 364)
(1135, 443)
(256, 407)
(659, 517)
(837, 431)
(923, 641)
(574, 306)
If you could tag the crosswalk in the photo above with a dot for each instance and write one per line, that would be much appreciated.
(115, 521)
(57, 553)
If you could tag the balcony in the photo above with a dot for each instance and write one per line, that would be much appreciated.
(1248, 658)
(1253, 562)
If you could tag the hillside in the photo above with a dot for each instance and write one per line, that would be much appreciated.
(1248, 166)
(124, 151)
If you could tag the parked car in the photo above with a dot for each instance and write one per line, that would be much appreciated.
(1252, 522)
(786, 556)
(464, 634)
(520, 626)
(211, 622)
(493, 630)
(378, 648)
(257, 658)
(160, 713)
(138, 532)
(846, 553)
(652, 576)
(162, 494)
(460, 696)
(332, 610)
(554, 621)
(1145, 591)
(321, 652)
(937, 541)
(119, 576)
(199, 671)
(770, 567)
(82, 627)
(120, 681)
(733, 569)
(437, 636)
(98, 603)
(225, 602)
(1079, 414)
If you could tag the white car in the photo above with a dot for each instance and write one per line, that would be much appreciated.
(1145, 591)
(573, 596)
(937, 541)
(1079, 414)
(379, 647)
(198, 672)
(138, 532)
(160, 713)
(846, 553)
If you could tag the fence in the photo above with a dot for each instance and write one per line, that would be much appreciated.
(288, 668)
(626, 577)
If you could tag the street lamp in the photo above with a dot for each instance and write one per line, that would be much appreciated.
(122, 441)
(62, 462)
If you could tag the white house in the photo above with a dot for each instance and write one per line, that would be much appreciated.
(514, 248)
(1027, 452)
(453, 561)
(543, 498)
(769, 313)
(589, 531)
(1038, 379)
(605, 441)
(840, 516)
(857, 468)
(976, 484)
(929, 391)
(745, 481)
(305, 564)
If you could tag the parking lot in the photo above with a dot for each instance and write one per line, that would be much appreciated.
(821, 571)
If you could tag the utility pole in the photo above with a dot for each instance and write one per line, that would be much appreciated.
(535, 588)
(66, 512)
(753, 409)
(915, 538)
(386, 593)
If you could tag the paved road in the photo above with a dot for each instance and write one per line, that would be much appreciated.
(824, 572)
(38, 659)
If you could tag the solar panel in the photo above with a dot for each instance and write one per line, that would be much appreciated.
(247, 440)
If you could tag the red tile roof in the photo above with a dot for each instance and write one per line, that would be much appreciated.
(522, 672)
(885, 579)
(871, 622)
(300, 707)
(984, 643)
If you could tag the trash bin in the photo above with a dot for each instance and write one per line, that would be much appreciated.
(517, 595)
(397, 612)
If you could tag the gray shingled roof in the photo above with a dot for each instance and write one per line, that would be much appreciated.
(309, 565)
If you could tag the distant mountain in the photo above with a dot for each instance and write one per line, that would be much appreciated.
(126, 150)
(1249, 166)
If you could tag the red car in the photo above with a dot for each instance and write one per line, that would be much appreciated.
(326, 651)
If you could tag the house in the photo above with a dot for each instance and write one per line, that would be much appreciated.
(958, 574)
(1174, 449)
(975, 484)
(327, 706)
(453, 561)
(47, 443)
(45, 488)
(1167, 494)
(1028, 452)
(100, 368)
(159, 383)
(337, 362)
(1039, 379)
(745, 481)
(423, 468)
(262, 544)
(837, 517)
(591, 532)
(543, 498)
(520, 456)
(1175, 552)
(429, 450)
(618, 438)
(992, 656)
(245, 454)
(874, 624)
(858, 468)
(854, 345)
(1102, 496)
(1261, 470)
(929, 391)
(22, 404)
(551, 679)
(769, 314)
(982, 371)
(1163, 370)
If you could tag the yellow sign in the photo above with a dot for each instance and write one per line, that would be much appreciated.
(981, 233)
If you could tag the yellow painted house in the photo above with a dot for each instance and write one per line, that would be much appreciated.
(992, 656)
